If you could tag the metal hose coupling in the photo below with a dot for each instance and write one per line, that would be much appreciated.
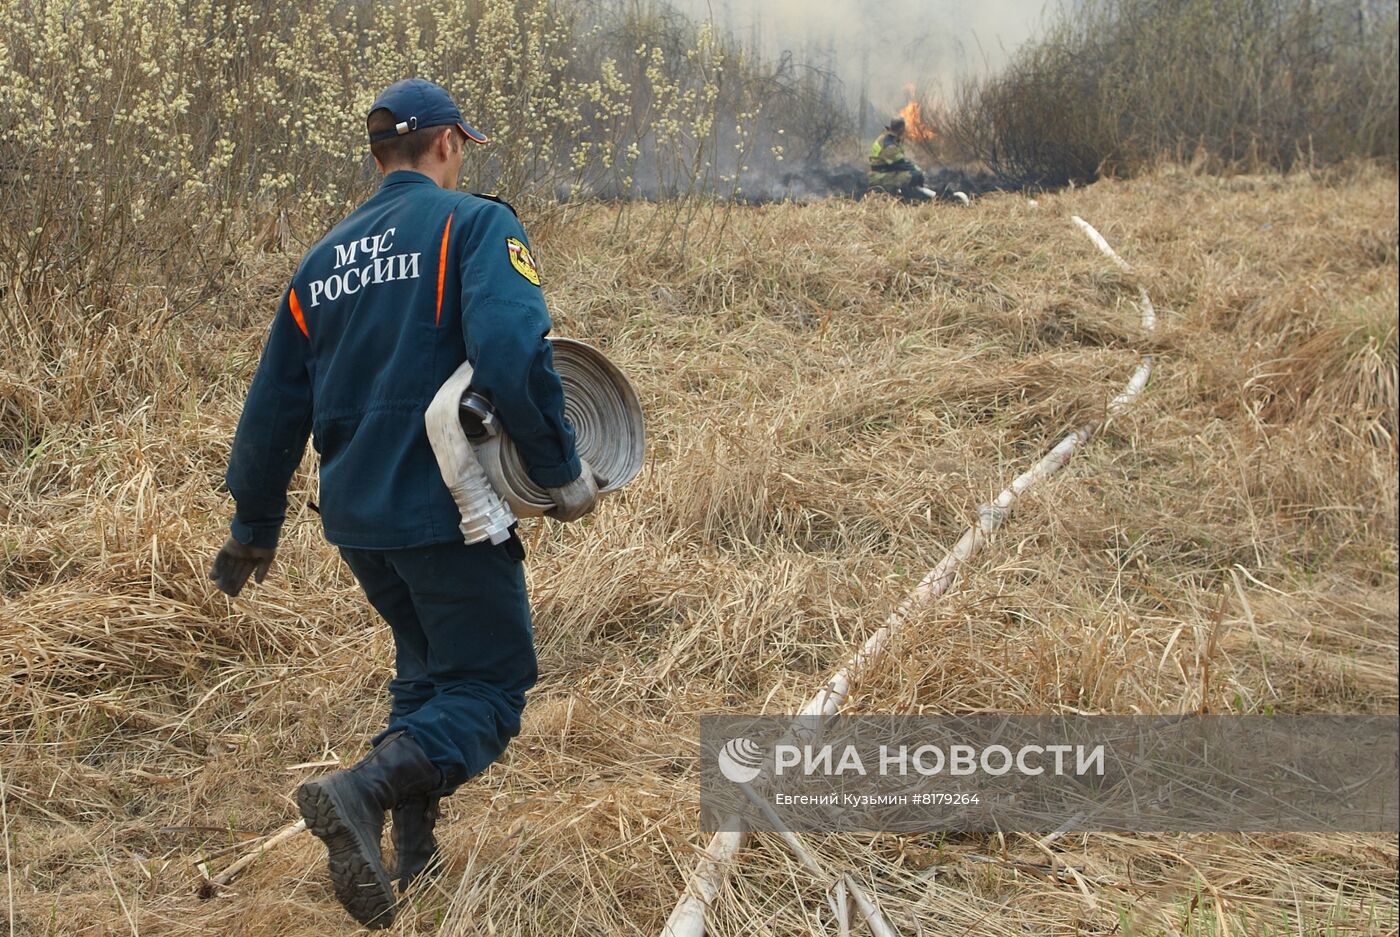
(484, 470)
(484, 515)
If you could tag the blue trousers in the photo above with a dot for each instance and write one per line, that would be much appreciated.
(464, 648)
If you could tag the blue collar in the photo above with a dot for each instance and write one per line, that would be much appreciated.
(405, 175)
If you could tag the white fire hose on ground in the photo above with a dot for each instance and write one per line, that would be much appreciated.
(483, 469)
(717, 860)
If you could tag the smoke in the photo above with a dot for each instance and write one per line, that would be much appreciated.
(818, 79)
(874, 48)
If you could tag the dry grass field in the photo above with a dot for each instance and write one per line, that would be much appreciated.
(831, 391)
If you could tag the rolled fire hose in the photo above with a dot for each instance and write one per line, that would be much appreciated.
(485, 472)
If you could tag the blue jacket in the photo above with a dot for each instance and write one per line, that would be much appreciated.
(378, 315)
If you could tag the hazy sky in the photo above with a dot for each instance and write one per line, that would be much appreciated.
(891, 42)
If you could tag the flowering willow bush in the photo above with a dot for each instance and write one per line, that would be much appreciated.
(171, 130)
(249, 99)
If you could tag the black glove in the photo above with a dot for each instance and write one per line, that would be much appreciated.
(236, 562)
(578, 497)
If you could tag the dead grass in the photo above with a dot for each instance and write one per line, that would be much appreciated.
(832, 389)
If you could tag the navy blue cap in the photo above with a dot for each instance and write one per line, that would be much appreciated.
(415, 104)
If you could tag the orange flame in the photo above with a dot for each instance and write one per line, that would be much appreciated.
(914, 126)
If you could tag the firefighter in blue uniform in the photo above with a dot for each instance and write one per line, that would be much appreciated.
(377, 316)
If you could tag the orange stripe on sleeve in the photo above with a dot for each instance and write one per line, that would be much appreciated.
(442, 267)
(296, 312)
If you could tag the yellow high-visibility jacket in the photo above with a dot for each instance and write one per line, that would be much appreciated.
(889, 166)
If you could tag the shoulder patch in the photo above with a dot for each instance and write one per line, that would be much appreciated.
(492, 198)
(521, 260)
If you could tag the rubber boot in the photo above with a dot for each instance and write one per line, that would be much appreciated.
(414, 843)
(345, 810)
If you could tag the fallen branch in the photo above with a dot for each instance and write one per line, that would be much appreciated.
(688, 917)
(212, 883)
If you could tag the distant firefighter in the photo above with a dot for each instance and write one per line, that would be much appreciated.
(890, 168)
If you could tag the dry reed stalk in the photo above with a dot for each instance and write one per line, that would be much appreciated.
(9, 867)
(688, 917)
(878, 925)
(843, 911)
(873, 918)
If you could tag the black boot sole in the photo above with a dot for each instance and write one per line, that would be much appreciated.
(361, 884)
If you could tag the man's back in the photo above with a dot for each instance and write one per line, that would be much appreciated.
(379, 313)
(378, 316)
